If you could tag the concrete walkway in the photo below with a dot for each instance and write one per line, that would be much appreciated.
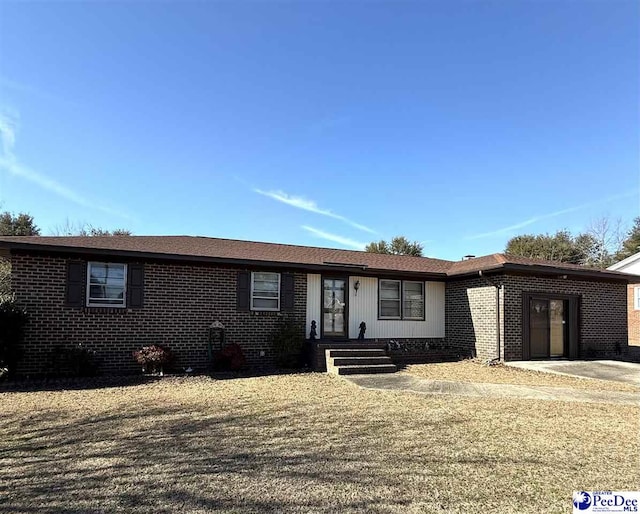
(406, 382)
(626, 372)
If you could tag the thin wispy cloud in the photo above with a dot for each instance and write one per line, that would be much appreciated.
(335, 238)
(305, 204)
(6, 83)
(8, 126)
(541, 217)
(10, 163)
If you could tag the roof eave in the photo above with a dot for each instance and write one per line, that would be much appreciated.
(632, 259)
(476, 271)
(565, 272)
(548, 270)
(132, 254)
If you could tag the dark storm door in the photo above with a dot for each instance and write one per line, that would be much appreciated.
(558, 327)
(548, 327)
(539, 328)
(334, 307)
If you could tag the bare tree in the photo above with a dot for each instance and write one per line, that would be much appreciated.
(69, 228)
(609, 236)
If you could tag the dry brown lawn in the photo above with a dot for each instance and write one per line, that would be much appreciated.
(304, 443)
(472, 370)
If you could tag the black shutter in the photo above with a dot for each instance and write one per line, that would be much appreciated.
(288, 292)
(75, 283)
(244, 285)
(135, 286)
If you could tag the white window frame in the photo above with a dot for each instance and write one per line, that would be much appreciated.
(380, 299)
(122, 305)
(252, 297)
(636, 298)
(412, 318)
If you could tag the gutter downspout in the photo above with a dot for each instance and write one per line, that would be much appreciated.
(498, 287)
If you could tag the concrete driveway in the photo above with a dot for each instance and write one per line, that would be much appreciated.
(408, 383)
(627, 372)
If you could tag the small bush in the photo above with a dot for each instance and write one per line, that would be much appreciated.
(13, 319)
(153, 358)
(78, 361)
(230, 358)
(288, 345)
(590, 352)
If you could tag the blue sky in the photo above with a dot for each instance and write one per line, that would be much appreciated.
(458, 124)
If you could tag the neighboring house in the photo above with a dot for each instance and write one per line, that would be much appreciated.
(115, 294)
(632, 265)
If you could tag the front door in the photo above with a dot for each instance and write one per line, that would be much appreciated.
(548, 327)
(334, 308)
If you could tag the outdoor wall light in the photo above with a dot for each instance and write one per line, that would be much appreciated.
(356, 286)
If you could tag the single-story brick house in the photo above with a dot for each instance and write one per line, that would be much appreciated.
(631, 265)
(115, 294)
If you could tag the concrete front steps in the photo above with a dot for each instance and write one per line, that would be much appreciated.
(358, 361)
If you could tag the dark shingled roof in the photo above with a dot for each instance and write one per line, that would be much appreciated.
(232, 250)
(501, 260)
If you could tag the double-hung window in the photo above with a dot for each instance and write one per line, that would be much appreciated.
(390, 299)
(265, 291)
(636, 298)
(412, 300)
(106, 284)
(399, 299)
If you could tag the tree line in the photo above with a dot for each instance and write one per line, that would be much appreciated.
(23, 224)
(601, 245)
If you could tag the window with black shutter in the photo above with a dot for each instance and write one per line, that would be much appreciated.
(107, 284)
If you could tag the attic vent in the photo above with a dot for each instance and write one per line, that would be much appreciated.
(467, 257)
(345, 264)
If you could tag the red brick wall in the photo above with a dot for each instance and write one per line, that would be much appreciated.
(634, 317)
(181, 301)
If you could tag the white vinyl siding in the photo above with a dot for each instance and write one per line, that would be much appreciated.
(314, 301)
(265, 291)
(106, 284)
(363, 306)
